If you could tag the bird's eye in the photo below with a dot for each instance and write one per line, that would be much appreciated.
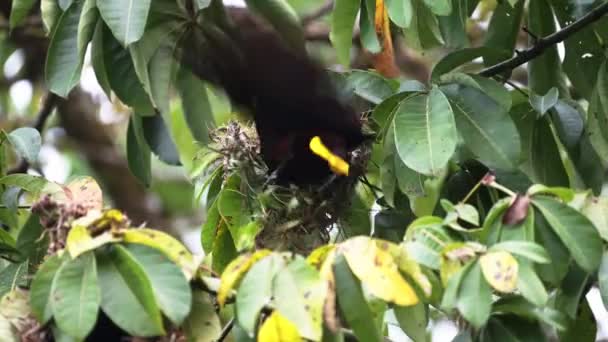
(335, 162)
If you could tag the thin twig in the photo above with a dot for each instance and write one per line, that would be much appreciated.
(530, 33)
(546, 42)
(318, 13)
(226, 330)
(45, 112)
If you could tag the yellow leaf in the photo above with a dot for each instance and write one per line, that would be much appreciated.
(235, 271)
(407, 265)
(384, 62)
(278, 329)
(378, 271)
(500, 270)
(166, 244)
(80, 239)
(318, 256)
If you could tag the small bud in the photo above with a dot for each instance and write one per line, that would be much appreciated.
(518, 211)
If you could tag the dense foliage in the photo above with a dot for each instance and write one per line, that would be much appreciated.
(482, 198)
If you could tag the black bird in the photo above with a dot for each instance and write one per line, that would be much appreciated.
(305, 131)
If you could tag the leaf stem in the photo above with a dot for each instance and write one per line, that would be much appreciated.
(226, 330)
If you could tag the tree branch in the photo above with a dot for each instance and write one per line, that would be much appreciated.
(45, 112)
(546, 42)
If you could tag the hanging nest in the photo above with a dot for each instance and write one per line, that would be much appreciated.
(293, 218)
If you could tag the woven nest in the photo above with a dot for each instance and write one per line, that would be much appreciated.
(294, 218)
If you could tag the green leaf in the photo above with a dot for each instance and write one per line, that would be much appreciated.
(50, 13)
(450, 295)
(354, 308)
(564, 194)
(19, 11)
(121, 74)
(410, 182)
(569, 123)
(371, 86)
(459, 57)
(413, 320)
(196, 105)
(170, 286)
(32, 241)
(503, 30)
(439, 7)
(511, 328)
(423, 33)
(8, 245)
(425, 238)
(30, 183)
(602, 278)
(400, 12)
(158, 137)
(596, 210)
(75, 296)
(126, 19)
(574, 229)
(583, 328)
(97, 59)
(202, 324)
(224, 250)
(127, 296)
(369, 37)
(519, 306)
(554, 272)
(211, 227)
(529, 284)
(86, 25)
(425, 132)
(27, 142)
(355, 220)
(572, 291)
(584, 50)
(495, 90)
(40, 290)
(342, 23)
(529, 250)
(544, 72)
(13, 275)
(545, 160)
(162, 71)
(454, 26)
(63, 61)
(485, 126)
(255, 291)
(64, 4)
(475, 297)
(383, 113)
(138, 152)
(597, 126)
(299, 295)
(161, 35)
(544, 103)
(232, 207)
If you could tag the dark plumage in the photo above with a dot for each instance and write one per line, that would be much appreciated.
(289, 95)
